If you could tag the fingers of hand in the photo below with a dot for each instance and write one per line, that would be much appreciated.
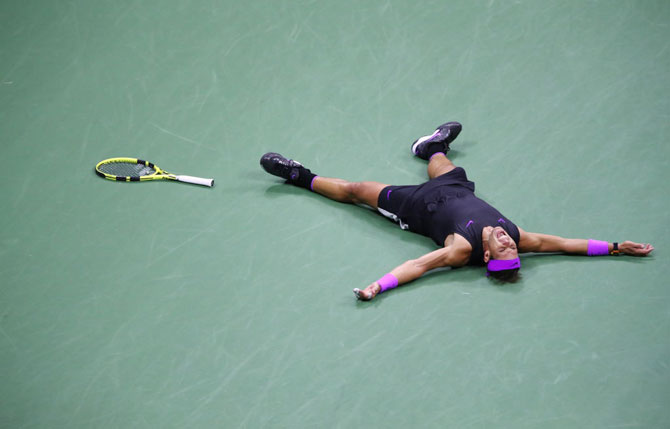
(639, 249)
(642, 249)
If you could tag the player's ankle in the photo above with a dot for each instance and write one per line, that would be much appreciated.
(303, 178)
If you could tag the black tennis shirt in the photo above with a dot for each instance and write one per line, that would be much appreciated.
(444, 205)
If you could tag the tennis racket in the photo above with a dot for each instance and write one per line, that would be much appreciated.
(139, 170)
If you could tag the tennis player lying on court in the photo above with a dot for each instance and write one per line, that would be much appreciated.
(445, 208)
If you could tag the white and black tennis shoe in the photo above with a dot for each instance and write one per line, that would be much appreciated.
(426, 146)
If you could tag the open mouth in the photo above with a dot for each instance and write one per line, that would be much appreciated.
(501, 233)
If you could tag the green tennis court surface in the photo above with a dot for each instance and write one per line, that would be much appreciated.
(170, 305)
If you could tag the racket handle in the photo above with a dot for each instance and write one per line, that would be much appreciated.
(196, 180)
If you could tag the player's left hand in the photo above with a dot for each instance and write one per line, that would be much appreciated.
(368, 293)
(635, 249)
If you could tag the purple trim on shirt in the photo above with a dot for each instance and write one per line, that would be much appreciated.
(311, 185)
(469, 223)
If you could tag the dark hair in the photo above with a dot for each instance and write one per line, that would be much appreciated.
(506, 276)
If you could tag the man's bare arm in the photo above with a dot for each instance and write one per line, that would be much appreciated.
(535, 242)
(415, 268)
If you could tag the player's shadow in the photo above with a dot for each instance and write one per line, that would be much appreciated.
(373, 216)
(472, 275)
(532, 260)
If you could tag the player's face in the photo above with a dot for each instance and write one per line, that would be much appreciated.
(501, 245)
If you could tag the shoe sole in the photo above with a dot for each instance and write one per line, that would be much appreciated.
(423, 139)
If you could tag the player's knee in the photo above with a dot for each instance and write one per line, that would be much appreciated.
(354, 191)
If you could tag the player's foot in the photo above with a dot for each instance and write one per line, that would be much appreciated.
(277, 165)
(427, 146)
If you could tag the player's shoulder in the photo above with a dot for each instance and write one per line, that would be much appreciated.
(458, 249)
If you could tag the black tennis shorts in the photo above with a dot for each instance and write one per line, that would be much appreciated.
(405, 204)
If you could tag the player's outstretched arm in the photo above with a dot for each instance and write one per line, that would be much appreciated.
(413, 269)
(535, 242)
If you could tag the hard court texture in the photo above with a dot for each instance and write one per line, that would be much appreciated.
(171, 305)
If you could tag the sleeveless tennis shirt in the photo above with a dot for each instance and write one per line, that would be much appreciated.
(444, 205)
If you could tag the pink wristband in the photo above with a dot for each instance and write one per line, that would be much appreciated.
(389, 281)
(598, 248)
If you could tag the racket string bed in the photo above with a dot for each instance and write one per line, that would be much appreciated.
(125, 169)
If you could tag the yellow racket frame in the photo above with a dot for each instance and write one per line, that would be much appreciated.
(160, 174)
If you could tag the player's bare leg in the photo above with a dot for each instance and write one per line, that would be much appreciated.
(439, 164)
(336, 189)
(348, 192)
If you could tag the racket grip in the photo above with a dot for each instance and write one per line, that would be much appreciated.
(196, 180)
